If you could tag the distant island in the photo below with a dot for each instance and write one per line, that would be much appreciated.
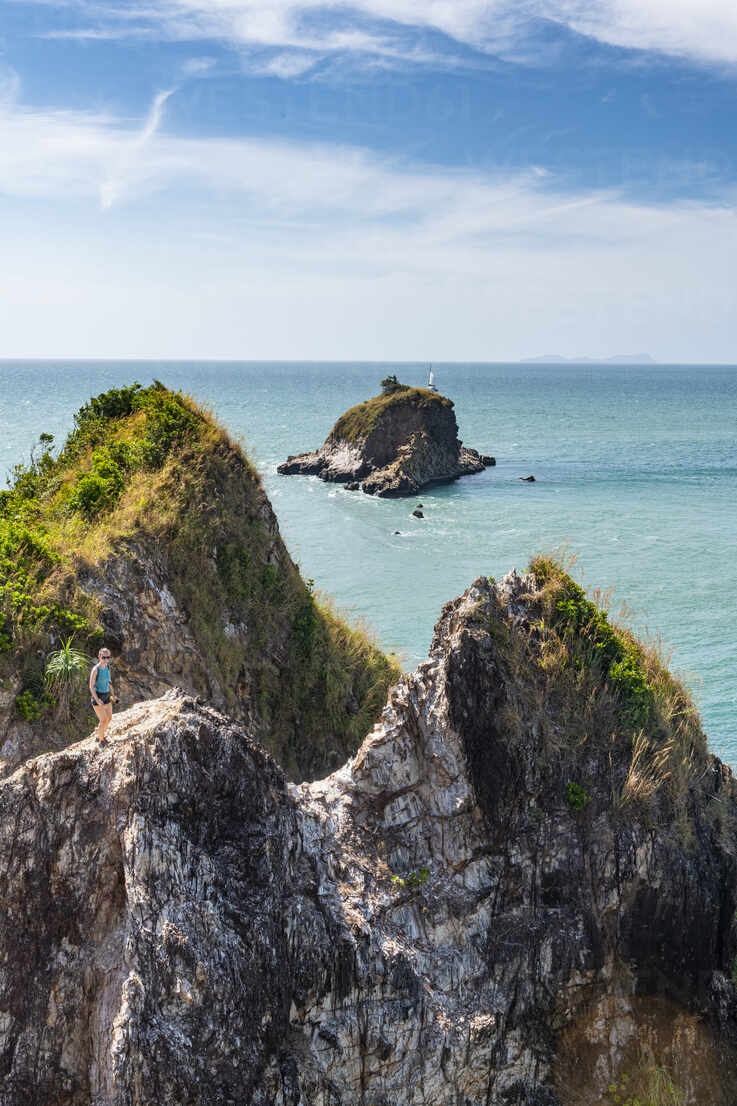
(618, 359)
(392, 445)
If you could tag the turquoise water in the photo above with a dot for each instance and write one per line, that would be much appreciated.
(636, 471)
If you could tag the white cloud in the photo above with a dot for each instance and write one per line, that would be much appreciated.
(288, 64)
(705, 30)
(267, 249)
(701, 29)
(197, 67)
(9, 85)
(126, 165)
(65, 155)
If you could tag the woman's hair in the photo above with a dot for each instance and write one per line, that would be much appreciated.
(101, 650)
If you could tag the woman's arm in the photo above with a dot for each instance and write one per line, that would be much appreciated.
(93, 677)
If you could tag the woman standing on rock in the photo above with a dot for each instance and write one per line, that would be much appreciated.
(101, 690)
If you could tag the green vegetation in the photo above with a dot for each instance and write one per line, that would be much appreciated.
(358, 422)
(413, 880)
(28, 708)
(56, 506)
(650, 1086)
(146, 465)
(390, 384)
(54, 503)
(602, 692)
(577, 796)
(315, 684)
(66, 669)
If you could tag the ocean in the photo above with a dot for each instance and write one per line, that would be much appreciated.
(635, 474)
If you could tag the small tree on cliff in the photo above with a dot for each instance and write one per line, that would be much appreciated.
(65, 674)
(390, 384)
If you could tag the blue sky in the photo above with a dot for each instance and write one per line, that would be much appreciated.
(395, 179)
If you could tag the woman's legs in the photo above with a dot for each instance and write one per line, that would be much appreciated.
(105, 716)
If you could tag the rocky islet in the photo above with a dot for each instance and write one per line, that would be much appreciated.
(392, 445)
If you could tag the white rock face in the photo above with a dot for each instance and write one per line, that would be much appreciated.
(432, 925)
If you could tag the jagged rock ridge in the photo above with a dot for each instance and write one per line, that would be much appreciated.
(395, 444)
(434, 924)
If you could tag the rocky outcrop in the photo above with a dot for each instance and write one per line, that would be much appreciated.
(442, 921)
(395, 444)
(196, 589)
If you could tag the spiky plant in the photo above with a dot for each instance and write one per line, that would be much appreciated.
(65, 669)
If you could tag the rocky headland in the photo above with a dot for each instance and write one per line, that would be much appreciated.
(520, 889)
(392, 445)
(150, 530)
(520, 892)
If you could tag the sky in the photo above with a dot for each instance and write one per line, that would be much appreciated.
(383, 180)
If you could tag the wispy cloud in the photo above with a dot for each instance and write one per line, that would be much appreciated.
(9, 84)
(701, 29)
(363, 255)
(198, 67)
(705, 30)
(76, 155)
(128, 162)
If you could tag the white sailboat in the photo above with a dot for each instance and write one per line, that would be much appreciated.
(431, 381)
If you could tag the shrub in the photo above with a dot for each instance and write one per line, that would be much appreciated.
(595, 642)
(92, 495)
(114, 404)
(648, 1086)
(27, 707)
(6, 641)
(305, 624)
(390, 384)
(168, 420)
(413, 880)
(630, 681)
(65, 672)
(577, 796)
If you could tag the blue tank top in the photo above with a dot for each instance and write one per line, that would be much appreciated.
(102, 679)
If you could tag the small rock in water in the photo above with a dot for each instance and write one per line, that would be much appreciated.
(527, 479)
(353, 486)
(420, 506)
(488, 460)
(418, 514)
(397, 532)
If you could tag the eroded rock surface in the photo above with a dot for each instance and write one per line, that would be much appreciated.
(432, 925)
(394, 444)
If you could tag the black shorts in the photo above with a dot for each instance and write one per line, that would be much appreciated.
(103, 696)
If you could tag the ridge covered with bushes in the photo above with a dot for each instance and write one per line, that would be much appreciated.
(146, 473)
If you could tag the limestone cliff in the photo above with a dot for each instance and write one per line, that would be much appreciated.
(151, 531)
(395, 443)
(520, 892)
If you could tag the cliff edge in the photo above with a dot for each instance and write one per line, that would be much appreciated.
(520, 892)
(393, 444)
